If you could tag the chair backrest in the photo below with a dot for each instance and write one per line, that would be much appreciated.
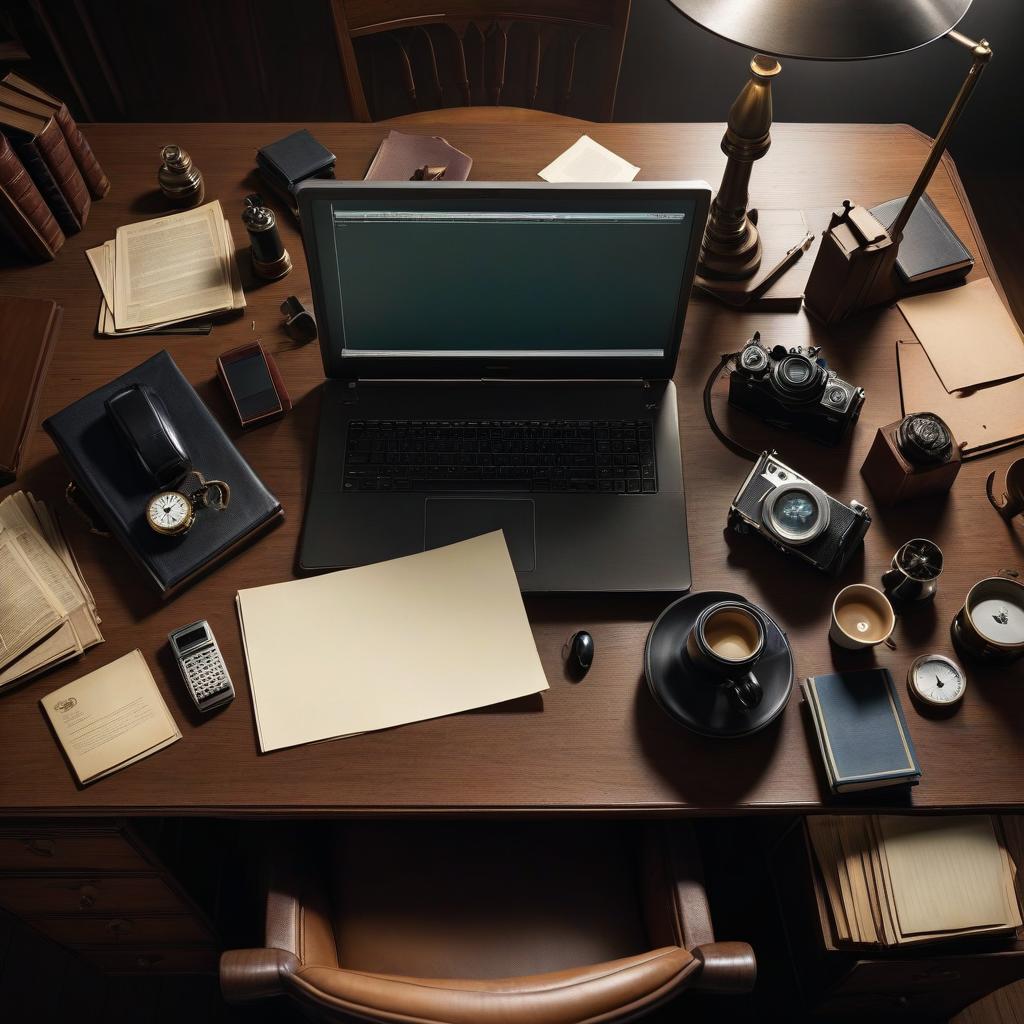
(400, 56)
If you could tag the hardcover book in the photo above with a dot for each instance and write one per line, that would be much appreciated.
(118, 488)
(930, 250)
(861, 731)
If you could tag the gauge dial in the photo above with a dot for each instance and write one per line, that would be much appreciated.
(170, 513)
(937, 680)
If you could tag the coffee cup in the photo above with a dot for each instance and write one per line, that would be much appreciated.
(861, 617)
(990, 626)
(725, 643)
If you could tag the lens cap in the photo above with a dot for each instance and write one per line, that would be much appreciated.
(924, 439)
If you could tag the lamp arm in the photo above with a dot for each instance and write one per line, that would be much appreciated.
(981, 53)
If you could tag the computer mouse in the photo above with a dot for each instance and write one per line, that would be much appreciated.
(581, 652)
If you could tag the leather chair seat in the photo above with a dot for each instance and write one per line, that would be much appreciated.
(487, 923)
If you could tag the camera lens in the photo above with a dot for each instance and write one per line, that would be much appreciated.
(796, 512)
(798, 377)
(925, 439)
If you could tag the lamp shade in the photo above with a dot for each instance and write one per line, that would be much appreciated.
(826, 29)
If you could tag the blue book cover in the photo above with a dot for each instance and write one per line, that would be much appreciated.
(863, 734)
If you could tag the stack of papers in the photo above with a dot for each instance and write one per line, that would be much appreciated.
(111, 718)
(894, 880)
(378, 646)
(161, 274)
(47, 613)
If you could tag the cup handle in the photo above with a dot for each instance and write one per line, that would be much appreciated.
(746, 692)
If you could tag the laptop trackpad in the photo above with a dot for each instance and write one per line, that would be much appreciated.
(447, 520)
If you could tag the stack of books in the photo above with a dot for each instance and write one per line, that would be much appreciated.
(168, 275)
(48, 172)
(46, 608)
(861, 732)
(896, 880)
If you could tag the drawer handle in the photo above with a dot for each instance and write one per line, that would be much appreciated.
(41, 847)
(148, 960)
(87, 897)
(119, 926)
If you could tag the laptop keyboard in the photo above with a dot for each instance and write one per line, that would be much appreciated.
(602, 456)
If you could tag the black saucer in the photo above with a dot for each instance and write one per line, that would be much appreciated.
(693, 699)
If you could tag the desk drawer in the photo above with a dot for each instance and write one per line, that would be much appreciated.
(124, 930)
(70, 895)
(153, 960)
(54, 849)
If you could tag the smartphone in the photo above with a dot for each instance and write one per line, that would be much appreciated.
(253, 383)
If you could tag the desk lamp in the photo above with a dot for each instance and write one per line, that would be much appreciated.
(855, 266)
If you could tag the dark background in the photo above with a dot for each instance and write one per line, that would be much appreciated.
(260, 60)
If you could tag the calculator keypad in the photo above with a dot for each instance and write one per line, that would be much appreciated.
(206, 674)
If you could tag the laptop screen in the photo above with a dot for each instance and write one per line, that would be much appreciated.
(566, 277)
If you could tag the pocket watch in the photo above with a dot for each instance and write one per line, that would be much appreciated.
(936, 681)
(171, 513)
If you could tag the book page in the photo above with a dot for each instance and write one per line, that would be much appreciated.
(28, 611)
(110, 718)
(946, 873)
(171, 268)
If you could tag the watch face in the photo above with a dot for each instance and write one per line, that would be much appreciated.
(937, 680)
(170, 513)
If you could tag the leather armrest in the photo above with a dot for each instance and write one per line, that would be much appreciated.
(247, 974)
(726, 967)
(675, 902)
(578, 996)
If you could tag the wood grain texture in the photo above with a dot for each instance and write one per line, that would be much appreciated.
(599, 745)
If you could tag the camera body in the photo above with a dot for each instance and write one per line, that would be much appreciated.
(797, 516)
(794, 389)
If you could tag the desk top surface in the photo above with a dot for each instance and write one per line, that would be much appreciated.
(598, 745)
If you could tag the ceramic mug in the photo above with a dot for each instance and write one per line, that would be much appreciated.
(725, 643)
(990, 626)
(861, 617)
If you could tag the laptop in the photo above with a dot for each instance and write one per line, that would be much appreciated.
(499, 356)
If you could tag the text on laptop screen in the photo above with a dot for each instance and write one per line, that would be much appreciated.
(544, 282)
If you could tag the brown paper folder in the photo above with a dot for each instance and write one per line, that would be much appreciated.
(982, 420)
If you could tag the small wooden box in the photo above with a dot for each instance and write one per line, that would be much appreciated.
(894, 479)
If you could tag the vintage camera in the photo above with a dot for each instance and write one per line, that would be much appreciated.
(798, 517)
(794, 389)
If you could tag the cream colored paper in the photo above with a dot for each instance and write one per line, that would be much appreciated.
(29, 612)
(110, 718)
(587, 160)
(418, 637)
(969, 335)
(946, 873)
(101, 259)
(171, 268)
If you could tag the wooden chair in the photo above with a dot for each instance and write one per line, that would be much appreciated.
(408, 55)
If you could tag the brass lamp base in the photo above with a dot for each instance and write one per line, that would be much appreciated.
(732, 250)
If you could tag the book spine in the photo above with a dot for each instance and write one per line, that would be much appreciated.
(10, 241)
(54, 149)
(81, 151)
(48, 188)
(25, 208)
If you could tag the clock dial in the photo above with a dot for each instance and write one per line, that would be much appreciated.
(170, 512)
(937, 680)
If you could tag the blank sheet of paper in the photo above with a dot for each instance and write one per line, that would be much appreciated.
(587, 160)
(377, 646)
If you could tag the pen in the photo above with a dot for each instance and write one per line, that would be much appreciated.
(787, 261)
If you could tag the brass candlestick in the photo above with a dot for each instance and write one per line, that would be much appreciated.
(731, 249)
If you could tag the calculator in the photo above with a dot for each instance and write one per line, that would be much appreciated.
(202, 665)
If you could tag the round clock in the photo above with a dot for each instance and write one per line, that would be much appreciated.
(170, 513)
(936, 681)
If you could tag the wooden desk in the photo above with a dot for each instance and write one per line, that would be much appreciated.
(602, 744)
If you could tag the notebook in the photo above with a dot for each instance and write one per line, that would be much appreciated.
(860, 729)
(104, 468)
(930, 250)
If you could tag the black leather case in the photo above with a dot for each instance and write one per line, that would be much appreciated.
(118, 486)
(294, 158)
